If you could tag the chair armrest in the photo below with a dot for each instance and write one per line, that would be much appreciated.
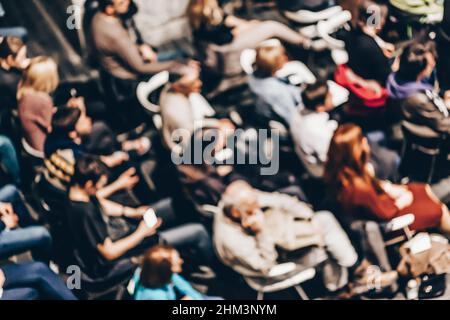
(400, 222)
(280, 269)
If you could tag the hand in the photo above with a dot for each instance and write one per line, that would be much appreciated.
(6, 208)
(77, 102)
(147, 53)
(11, 220)
(447, 99)
(145, 231)
(374, 86)
(194, 64)
(115, 159)
(388, 49)
(128, 179)
(141, 145)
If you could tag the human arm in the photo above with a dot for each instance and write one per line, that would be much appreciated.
(126, 180)
(112, 250)
(185, 288)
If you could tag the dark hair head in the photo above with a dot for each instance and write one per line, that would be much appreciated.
(315, 94)
(157, 266)
(414, 60)
(64, 121)
(88, 168)
(10, 46)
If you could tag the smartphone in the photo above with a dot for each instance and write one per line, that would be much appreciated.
(150, 218)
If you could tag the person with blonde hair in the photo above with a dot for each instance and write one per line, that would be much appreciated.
(35, 104)
(211, 24)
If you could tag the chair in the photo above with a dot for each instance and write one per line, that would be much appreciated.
(145, 89)
(423, 151)
(294, 281)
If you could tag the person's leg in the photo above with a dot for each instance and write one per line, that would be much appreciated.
(38, 276)
(10, 194)
(193, 236)
(385, 162)
(441, 190)
(9, 160)
(255, 34)
(20, 294)
(336, 240)
(36, 239)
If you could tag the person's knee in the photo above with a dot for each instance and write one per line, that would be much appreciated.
(9, 193)
(41, 235)
(37, 268)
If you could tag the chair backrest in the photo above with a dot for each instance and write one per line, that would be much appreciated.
(145, 89)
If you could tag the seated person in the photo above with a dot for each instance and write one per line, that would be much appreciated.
(18, 233)
(159, 277)
(254, 224)
(283, 98)
(124, 61)
(35, 104)
(118, 54)
(359, 193)
(368, 54)
(13, 60)
(211, 25)
(64, 145)
(313, 129)
(31, 281)
(91, 216)
(413, 86)
(182, 107)
(306, 114)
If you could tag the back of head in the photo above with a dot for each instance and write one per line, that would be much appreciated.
(157, 267)
(88, 168)
(64, 121)
(40, 76)
(414, 60)
(315, 95)
(269, 59)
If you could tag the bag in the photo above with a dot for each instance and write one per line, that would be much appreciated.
(432, 286)
(362, 97)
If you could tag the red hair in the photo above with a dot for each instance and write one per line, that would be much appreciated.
(347, 161)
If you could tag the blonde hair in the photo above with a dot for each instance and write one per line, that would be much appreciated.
(40, 76)
(208, 11)
(270, 58)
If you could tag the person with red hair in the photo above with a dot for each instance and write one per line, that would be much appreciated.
(350, 179)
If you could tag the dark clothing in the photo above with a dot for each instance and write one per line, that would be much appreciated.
(219, 34)
(9, 80)
(88, 230)
(366, 58)
(23, 281)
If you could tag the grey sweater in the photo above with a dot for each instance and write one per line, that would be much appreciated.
(118, 54)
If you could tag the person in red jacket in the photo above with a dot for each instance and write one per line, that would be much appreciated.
(350, 179)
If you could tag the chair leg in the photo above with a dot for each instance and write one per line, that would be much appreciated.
(301, 292)
(260, 295)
